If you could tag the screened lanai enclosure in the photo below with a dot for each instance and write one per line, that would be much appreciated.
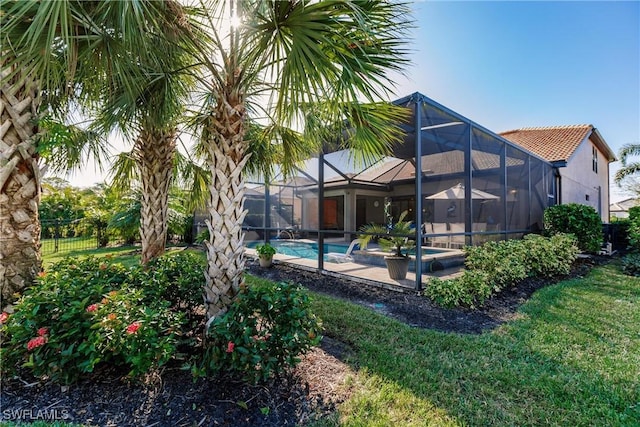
(460, 183)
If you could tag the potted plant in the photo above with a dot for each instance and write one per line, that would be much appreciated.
(392, 238)
(265, 254)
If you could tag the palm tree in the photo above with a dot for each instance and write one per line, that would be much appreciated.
(53, 52)
(317, 65)
(628, 168)
(154, 112)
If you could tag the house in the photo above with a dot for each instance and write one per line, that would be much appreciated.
(621, 209)
(581, 156)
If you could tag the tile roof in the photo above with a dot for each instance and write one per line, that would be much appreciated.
(552, 142)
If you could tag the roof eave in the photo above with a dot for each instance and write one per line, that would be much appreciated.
(602, 145)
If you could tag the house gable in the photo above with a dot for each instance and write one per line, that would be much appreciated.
(585, 178)
(558, 143)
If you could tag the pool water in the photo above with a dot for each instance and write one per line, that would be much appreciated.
(307, 250)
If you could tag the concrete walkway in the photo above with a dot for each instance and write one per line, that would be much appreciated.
(372, 275)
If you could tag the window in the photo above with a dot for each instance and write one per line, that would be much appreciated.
(594, 159)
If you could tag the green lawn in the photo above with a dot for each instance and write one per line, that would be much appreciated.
(81, 247)
(572, 358)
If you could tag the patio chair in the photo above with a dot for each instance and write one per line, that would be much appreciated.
(339, 258)
(460, 240)
(440, 241)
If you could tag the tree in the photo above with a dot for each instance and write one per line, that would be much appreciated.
(153, 107)
(628, 169)
(319, 65)
(54, 52)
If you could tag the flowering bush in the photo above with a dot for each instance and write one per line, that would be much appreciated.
(81, 314)
(265, 330)
(84, 313)
(178, 279)
(127, 331)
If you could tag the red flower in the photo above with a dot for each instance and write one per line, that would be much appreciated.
(36, 342)
(43, 332)
(230, 347)
(92, 308)
(4, 317)
(133, 328)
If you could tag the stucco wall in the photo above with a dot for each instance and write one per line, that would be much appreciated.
(579, 180)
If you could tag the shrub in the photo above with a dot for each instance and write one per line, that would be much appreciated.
(631, 264)
(497, 265)
(547, 257)
(262, 334)
(177, 278)
(505, 261)
(470, 289)
(580, 220)
(87, 308)
(127, 331)
(634, 228)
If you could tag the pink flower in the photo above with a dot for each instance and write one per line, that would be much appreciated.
(230, 347)
(4, 317)
(43, 332)
(36, 342)
(92, 308)
(133, 328)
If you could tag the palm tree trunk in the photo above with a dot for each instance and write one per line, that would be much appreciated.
(226, 159)
(154, 151)
(19, 186)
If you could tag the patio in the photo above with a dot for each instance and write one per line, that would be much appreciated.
(374, 275)
(469, 186)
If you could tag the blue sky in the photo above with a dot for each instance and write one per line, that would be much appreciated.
(507, 65)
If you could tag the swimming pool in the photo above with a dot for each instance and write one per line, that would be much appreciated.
(309, 250)
(300, 249)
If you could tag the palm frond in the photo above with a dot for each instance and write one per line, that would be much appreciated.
(124, 173)
(627, 171)
(69, 147)
(627, 151)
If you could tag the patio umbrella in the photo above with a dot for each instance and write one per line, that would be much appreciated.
(457, 193)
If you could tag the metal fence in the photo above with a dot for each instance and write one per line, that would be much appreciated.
(70, 235)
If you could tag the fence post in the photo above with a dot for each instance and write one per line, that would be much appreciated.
(56, 235)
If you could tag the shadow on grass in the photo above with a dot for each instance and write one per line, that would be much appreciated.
(544, 369)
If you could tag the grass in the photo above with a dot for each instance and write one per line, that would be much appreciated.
(571, 358)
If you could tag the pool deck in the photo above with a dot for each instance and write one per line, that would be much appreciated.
(360, 273)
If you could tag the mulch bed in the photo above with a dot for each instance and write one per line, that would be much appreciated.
(172, 398)
(415, 310)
